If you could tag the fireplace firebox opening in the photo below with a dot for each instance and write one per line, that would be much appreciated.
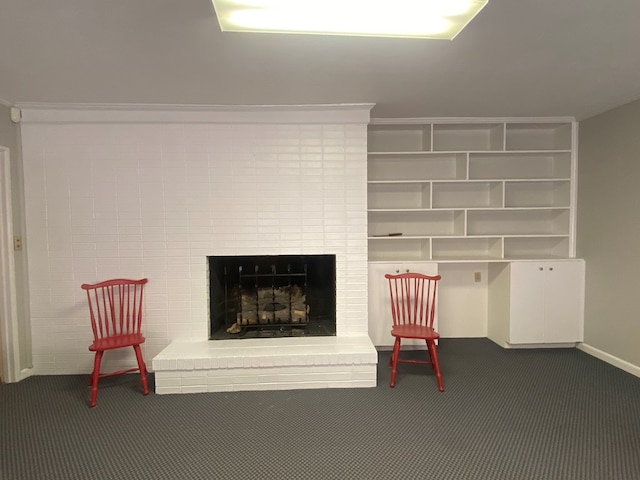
(272, 296)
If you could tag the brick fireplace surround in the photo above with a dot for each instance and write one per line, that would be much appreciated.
(138, 191)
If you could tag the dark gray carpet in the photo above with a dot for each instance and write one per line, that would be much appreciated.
(526, 414)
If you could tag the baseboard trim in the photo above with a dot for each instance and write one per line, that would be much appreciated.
(610, 359)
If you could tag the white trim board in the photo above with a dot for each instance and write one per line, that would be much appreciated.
(8, 299)
(610, 359)
(299, 114)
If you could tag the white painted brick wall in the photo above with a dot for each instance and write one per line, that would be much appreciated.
(119, 199)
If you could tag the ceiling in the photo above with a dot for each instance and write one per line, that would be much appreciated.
(516, 58)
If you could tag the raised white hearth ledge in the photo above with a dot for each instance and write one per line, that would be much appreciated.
(266, 364)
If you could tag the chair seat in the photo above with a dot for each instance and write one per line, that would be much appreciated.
(117, 341)
(414, 331)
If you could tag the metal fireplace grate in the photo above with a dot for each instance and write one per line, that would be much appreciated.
(270, 300)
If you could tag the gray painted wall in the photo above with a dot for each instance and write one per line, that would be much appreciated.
(10, 137)
(608, 229)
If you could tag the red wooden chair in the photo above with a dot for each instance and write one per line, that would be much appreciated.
(115, 307)
(413, 308)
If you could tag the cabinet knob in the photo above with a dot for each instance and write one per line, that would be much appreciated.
(397, 271)
(540, 268)
(550, 268)
(407, 270)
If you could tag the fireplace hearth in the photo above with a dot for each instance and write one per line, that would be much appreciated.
(272, 296)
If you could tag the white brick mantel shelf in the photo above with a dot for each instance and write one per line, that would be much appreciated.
(348, 113)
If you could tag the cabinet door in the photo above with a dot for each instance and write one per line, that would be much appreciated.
(527, 309)
(379, 309)
(547, 301)
(564, 301)
(379, 305)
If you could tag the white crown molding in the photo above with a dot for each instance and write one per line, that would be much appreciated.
(470, 120)
(356, 113)
(621, 102)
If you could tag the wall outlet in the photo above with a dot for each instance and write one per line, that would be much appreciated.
(477, 277)
(17, 243)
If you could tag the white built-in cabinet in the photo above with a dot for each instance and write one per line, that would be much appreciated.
(536, 302)
(470, 190)
(379, 299)
(474, 190)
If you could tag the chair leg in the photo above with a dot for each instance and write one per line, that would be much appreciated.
(394, 361)
(433, 365)
(93, 382)
(143, 369)
(433, 354)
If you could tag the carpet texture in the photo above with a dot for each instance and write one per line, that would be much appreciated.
(504, 415)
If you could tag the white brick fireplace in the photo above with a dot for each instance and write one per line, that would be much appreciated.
(151, 192)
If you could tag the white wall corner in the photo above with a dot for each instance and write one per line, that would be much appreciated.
(8, 297)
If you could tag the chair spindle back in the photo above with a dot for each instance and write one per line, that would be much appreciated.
(413, 298)
(115, 307)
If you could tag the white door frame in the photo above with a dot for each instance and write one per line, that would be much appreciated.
(9, 348)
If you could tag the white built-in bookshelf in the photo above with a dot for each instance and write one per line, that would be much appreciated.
(471, 189)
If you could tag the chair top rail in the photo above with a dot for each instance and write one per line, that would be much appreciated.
(115, 281)
(394, 276)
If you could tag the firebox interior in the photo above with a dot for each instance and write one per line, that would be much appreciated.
(272, 296)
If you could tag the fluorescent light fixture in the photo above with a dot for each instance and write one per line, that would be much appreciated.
(440, 19)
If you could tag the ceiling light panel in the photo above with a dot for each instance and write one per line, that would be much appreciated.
(439, 19)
